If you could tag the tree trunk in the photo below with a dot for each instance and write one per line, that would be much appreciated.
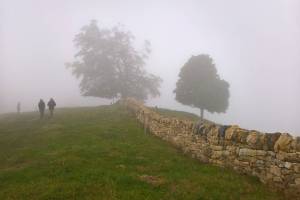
(201, 114)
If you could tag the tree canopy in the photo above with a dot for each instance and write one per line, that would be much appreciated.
(109, 65)
(200, 86)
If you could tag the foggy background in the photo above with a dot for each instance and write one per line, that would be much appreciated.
(255, 45)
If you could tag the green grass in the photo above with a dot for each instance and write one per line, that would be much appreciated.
(179, 114)
(102, 153)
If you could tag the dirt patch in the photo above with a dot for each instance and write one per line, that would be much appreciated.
(152, 180)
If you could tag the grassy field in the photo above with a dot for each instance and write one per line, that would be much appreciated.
(102, 153)
(179, 114)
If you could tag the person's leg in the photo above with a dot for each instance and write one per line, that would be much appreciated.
(51, 112)
(41, 114)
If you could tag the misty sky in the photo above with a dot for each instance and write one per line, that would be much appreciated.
(255, 45)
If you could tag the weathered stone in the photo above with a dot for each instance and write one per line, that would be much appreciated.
(277, 179)
(275, 170)
(297, 145)
(261, 153)
(297, 181)
(283, 143)
(260, 141)
(281, 155)
(252, 139)
(260, 162)
(247, 152)
(271, 153)
(270, 139)
(241, 136)
(296, 168)
(286, 172)
(269, 176)
(218, 162)
(226, 153)
(216, 148)
(216, 154)
(292, 157)
(229, 133)
(241, 163)
(287, 165)
(221, 131)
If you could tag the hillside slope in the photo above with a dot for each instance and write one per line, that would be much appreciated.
(102, 153)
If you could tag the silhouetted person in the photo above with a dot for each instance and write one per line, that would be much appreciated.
(51, 104)
(42, 106)
(19, 107)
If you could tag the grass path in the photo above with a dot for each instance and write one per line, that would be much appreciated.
(102, 153)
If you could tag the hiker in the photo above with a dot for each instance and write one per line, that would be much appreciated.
(51, 104)
(19, 107)
(42, 106)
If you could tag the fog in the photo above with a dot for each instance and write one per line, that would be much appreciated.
(255, 45)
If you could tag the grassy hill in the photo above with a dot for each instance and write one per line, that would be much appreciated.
(102, 153)
(179, 114)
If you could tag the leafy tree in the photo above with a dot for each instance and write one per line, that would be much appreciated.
(109, 66)
(200, 86)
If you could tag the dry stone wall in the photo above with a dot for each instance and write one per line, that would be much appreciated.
(273, 158)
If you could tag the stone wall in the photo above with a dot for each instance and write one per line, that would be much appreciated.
(273, 158)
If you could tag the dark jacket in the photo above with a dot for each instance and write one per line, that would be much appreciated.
(51, 104)
(42, 105)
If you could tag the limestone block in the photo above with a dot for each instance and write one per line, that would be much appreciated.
(216, 148)
(277, 179)
(297, 144)
(288, 165)
(271, 153)
(247, 152)
(285, 172)
(281, 155)
(216, 154)
(296, 167)
(260, 162)
(270, 139)
(218, 162)
(292, 157)
(275, 170)
(242, 135)
(230, 132)
(297, 181)
(252, 139)
(261, 153)
(283, 143)
(215, 131)
(256, 140)
(241, 163)
(269, 176)
(226, 153)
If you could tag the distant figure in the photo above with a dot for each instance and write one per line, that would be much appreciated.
(51, 104)
(19, 107)
(42, 106)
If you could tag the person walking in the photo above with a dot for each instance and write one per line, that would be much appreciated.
(51, 104)
(19, 107)
(42, 106)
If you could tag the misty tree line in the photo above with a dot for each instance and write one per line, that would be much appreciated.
(109, 66)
